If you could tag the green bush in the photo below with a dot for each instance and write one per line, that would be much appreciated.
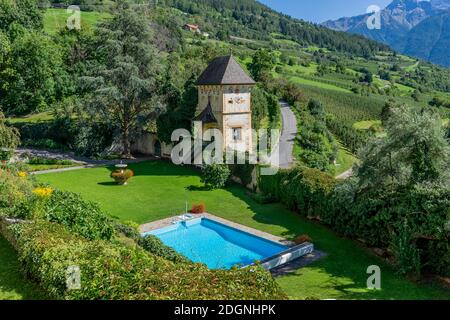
(304, 189)
(244, 172)
(215, 176)
(128, 228)
(6, 154)
(153, 245)
(49, 161)
(78, 215)
(9, 139)
(406, 253)
(112, 271)
(15, 193)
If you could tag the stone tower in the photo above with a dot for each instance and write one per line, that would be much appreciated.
(224, 102)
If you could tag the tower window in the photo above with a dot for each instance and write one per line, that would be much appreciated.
(237, 134)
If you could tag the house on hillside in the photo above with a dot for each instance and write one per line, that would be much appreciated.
(224, 103)
(192, 28)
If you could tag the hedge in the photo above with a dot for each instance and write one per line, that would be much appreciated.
(377, 217)
(111, 270)
(78, 215)
(153, 245)
(300, 188)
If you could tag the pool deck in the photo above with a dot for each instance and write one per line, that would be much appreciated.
(168, 222)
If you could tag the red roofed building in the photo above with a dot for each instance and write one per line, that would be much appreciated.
(191, 27)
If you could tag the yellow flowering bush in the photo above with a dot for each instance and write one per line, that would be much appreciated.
(22, 174)
(44, 192)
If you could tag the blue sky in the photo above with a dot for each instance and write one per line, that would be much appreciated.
(322, 10)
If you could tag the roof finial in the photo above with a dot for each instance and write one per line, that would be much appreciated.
(231, 51)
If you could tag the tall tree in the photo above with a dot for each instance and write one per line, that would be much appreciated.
(414, 151)
(123, 89)
(262, 64)
(31, 83)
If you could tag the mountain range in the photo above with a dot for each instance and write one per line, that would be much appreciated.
(413, 27)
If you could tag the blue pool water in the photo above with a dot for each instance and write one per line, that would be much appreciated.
(215, 244)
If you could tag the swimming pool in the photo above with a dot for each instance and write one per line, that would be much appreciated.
(215, 244)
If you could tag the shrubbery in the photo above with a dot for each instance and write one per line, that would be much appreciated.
(118, 272)
(9, 139)
(153, 245)
(399, 198)
(215, 176)
(49, 161)
(318, 148)
(301, 188)
(78, 215)
(244, 172)
(15, 192)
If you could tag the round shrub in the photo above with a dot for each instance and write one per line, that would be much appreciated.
(215, 176)
(122, 176)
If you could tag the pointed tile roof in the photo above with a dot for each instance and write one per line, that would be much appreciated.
(207, 115)
(222, 71)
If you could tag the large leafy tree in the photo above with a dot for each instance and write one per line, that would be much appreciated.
(20, 12)
(415, 150)
(262, 64)
(29, 61)
(31, 82)
(123, 89)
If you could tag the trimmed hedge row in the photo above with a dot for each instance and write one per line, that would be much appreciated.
(111, 270)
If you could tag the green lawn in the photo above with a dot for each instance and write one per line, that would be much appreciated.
(345, 160)
(13, 286)
(56, 19)
(33, 118)
(43, 167)
(161, 189)
(366, 124)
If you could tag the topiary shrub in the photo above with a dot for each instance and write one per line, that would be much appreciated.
(215, 176)
(122, 176)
